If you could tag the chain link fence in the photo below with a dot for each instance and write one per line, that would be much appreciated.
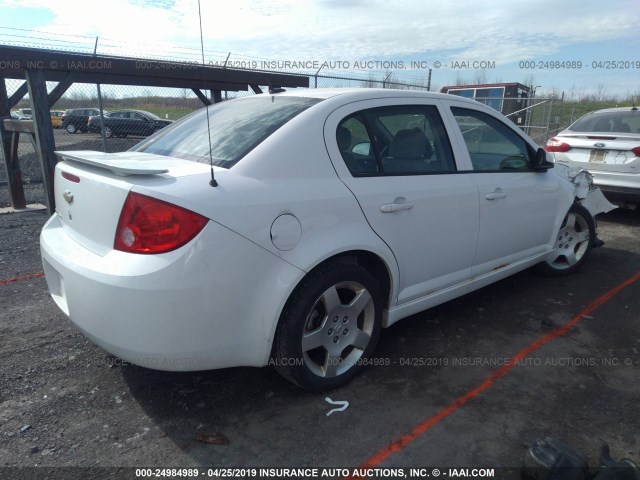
(76, 121)
(133, 112)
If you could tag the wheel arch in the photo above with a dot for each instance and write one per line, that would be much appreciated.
(545, 269)
(305, 320)
(367, 259)
(372, 263)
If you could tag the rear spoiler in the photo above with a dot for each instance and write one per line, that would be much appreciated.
(122, 163)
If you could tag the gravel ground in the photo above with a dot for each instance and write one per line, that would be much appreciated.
(66, 403)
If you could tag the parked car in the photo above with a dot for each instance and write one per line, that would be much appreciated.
(25, 113)
(56, 118)
(288, 229)
(121, 123)
(15, 115)
(607, 143)
(74, 120)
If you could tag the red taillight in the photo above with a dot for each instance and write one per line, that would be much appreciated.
(89, 121)
(555, 145)
(148, 225)
(636, 151)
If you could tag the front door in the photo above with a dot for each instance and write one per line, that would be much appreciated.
(518, 206)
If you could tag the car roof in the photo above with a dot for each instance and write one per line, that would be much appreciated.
(613, 110)
(365, 93)
(132, 110)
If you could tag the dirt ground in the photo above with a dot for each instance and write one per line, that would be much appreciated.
(66, 403)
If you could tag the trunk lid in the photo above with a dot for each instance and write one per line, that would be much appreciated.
(91, 188)
(602, 151)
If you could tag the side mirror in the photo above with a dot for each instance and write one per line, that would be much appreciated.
(540, 161)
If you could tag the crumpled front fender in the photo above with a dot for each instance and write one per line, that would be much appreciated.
(586, 193)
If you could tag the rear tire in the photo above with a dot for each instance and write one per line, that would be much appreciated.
(573, 244)
(329, 327)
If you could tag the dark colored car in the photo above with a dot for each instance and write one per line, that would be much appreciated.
(75, 119)
(121, 123)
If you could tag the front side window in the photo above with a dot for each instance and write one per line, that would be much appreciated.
(492, 145)
(235, 128)
(398, 140)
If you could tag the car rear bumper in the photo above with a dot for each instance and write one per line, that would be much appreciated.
(618, 185)
(179, 311)
(613, 184)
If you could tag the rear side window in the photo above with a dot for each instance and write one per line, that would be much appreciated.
(398, 140)
(235, 128)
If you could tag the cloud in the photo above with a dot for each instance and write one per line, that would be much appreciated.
(506, 31)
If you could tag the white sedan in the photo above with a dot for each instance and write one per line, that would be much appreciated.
(332, 214)
(607, 143)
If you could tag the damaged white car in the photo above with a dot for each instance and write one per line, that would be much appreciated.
(288, 229)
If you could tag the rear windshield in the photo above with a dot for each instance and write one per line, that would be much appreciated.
(236, 127)
(619, 122)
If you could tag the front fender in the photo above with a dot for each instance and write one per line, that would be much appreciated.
(585, 192)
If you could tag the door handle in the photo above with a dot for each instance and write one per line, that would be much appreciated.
(396, 206)
(496, 194)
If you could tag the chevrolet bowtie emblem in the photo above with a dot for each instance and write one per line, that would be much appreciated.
(68, 196)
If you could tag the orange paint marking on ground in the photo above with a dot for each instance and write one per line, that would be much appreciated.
(7, 281)
(406, 439)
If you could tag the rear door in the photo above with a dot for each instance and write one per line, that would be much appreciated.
(395, 157)
(117, 122)
(140, 124)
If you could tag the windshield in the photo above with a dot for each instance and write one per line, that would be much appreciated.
(236, 128)
(620, 122)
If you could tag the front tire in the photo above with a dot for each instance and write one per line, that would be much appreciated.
(329, 327)
(573, 243)
(71, 128)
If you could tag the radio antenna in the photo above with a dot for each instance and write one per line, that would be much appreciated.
(212, 182)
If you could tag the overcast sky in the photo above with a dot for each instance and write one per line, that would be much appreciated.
(503, 33)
